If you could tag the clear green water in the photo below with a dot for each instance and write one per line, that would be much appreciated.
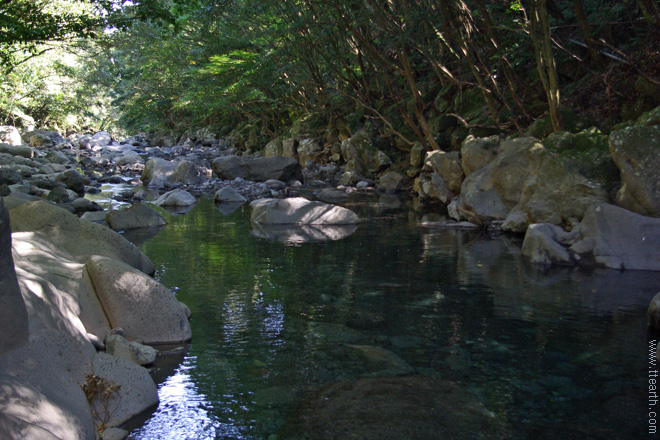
(555, 354)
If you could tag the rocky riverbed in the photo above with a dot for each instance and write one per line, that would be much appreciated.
(81, 311)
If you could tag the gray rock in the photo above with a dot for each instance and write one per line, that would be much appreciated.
(431, 185)
(160, 172)
(17, 150)
(331, 195)
(144, 308)
(13, 314)
(619, 239)
(476, 153)
(10, 176)
(137, 216)
(308, 150)
(10, 135)
(137, 391)
(102, 138)
(73, 180)
(274, 148)
(299, 210)
(79, 238)
(526, 178)
(447, 166)
(118, 345)
(257, 169)
(635, 151)
(361, 156)
(177, 197)
(542, 244)
(397, 408)
(57, 158)
(82, 204)
(229, 195)
(59, 195)
(417, 154)
(391, 181)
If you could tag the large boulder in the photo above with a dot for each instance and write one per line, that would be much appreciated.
(135, 390)
(476, 153)
(79, 238)
(525, 180)
(160, 172)
(362, 156)
(608, 236)
(13, 314)
(635, 151)
(137, 216)
(618, 239)
(10, 135)
(258, 169)
(447, 166)
(144, 308)
(300, 211)
(396, 408)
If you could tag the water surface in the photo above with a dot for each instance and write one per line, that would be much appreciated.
(560, 353)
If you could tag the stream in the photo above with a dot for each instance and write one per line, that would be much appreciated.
(553, 353)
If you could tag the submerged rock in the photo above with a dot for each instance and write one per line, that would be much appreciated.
(300, 211)
(400, 408)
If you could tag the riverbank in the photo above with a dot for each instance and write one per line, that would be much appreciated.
(66, 273)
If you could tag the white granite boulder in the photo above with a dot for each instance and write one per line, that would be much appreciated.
(143, 307)
(77, 237)
(300, 211)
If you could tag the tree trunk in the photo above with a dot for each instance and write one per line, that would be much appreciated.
(545, 60)
(594, 54)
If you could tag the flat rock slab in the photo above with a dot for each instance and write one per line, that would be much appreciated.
(399, 408)
(300, 211)
(143, 307)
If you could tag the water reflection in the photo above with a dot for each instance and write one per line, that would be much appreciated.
(557, 353)
(297, 234)
(183, 412)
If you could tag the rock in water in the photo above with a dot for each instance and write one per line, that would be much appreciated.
(144, 308)
(396, 408)
(300, 211)
(137, 216)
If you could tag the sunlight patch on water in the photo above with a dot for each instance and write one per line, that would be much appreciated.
(183, 412)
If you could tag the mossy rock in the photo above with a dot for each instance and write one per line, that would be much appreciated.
(649, 118)
(586, 153)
